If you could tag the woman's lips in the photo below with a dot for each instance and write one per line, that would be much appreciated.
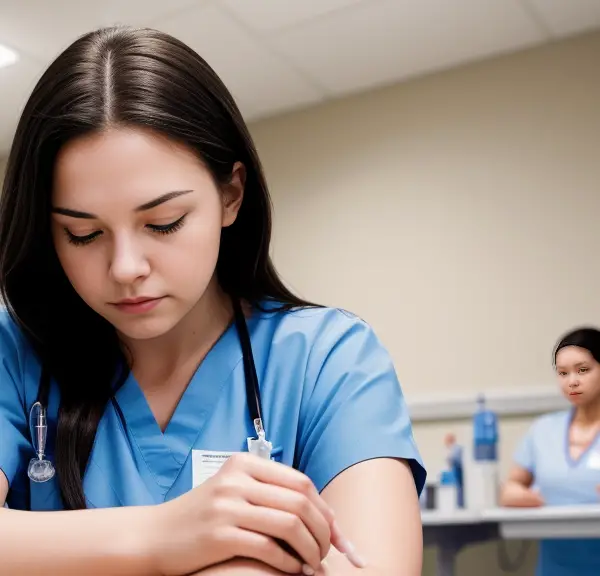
(138, 305)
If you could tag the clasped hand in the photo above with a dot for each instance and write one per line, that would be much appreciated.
(252, 508)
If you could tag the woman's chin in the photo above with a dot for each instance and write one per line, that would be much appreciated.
(147, 327)
(577, 399)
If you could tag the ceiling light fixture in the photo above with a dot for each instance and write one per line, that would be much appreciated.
(7, 56)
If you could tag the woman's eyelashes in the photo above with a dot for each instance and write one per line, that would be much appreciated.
(167, 228)
(82, 240)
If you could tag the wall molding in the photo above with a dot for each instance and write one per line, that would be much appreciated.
(527, 401)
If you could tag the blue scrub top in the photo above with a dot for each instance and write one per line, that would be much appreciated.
(562, 481)
(330, 399)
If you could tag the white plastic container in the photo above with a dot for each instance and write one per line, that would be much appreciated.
(483, 485)
(447, 494)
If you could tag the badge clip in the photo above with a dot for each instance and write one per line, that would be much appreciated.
(260, 446)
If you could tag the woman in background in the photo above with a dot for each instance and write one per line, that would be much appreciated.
(558, 461)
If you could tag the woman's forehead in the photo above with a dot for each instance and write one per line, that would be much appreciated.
(123, 167)
(573, 355)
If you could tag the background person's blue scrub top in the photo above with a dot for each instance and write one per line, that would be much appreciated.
(562, 481)
(330, 399)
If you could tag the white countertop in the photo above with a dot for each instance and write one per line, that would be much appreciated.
(437, 518)
(546, 513)
(526, 523)
(546, 522)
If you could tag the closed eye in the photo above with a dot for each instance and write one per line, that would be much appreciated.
(157, 228)
(81, 240)
(167, 228)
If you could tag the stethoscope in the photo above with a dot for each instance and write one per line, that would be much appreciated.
(41, 469)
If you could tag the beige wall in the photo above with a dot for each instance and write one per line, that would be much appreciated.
(2, 168)
(459, 215)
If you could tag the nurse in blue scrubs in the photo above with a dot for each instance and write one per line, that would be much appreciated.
(134, 252)
(558, 461)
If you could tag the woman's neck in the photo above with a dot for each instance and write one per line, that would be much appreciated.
(189, 341)
(588, 415)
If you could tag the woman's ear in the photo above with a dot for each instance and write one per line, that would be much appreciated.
(233, 194)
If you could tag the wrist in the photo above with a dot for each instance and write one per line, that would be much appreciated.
(138, 541)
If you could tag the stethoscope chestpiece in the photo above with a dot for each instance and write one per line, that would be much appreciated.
(40, 469)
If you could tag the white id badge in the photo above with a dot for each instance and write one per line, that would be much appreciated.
(206, 463)
(593, 461)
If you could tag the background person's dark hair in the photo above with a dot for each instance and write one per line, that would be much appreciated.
(586, 337)
(116, 77)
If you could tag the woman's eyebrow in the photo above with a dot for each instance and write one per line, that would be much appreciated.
(146, 206)
(161, 200)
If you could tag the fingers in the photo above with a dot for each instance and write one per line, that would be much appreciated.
(346, 547)
(260, 547)
(299, 505)
(274, 475)
(264, 471)
(284, 526)
(280, 475)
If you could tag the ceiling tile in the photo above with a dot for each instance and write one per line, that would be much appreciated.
(381, 42)
(267, 15)
(42, 28)
(566, 17)
(260, 81)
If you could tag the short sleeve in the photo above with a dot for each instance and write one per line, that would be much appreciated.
(524, 456)
(355, 410)
(14, 437)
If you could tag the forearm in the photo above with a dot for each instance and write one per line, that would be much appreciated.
(515, 494)
(334, 565)
(107, 542)
(508, 491)
(239, 567)
(368, 571)
(337, 564)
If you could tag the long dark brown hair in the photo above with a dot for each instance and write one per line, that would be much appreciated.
(116, 77)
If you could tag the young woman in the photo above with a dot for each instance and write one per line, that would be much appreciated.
(148, 338)
(558, 462)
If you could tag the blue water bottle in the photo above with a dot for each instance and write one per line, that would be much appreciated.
(485, 433)
(455, 463)
(483, 490)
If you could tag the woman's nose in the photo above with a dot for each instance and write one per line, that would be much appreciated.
(129, 263)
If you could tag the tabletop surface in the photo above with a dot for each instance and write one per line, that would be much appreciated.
(544, 514)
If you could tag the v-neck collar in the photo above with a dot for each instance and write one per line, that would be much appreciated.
(165, 452)
(573, 462)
